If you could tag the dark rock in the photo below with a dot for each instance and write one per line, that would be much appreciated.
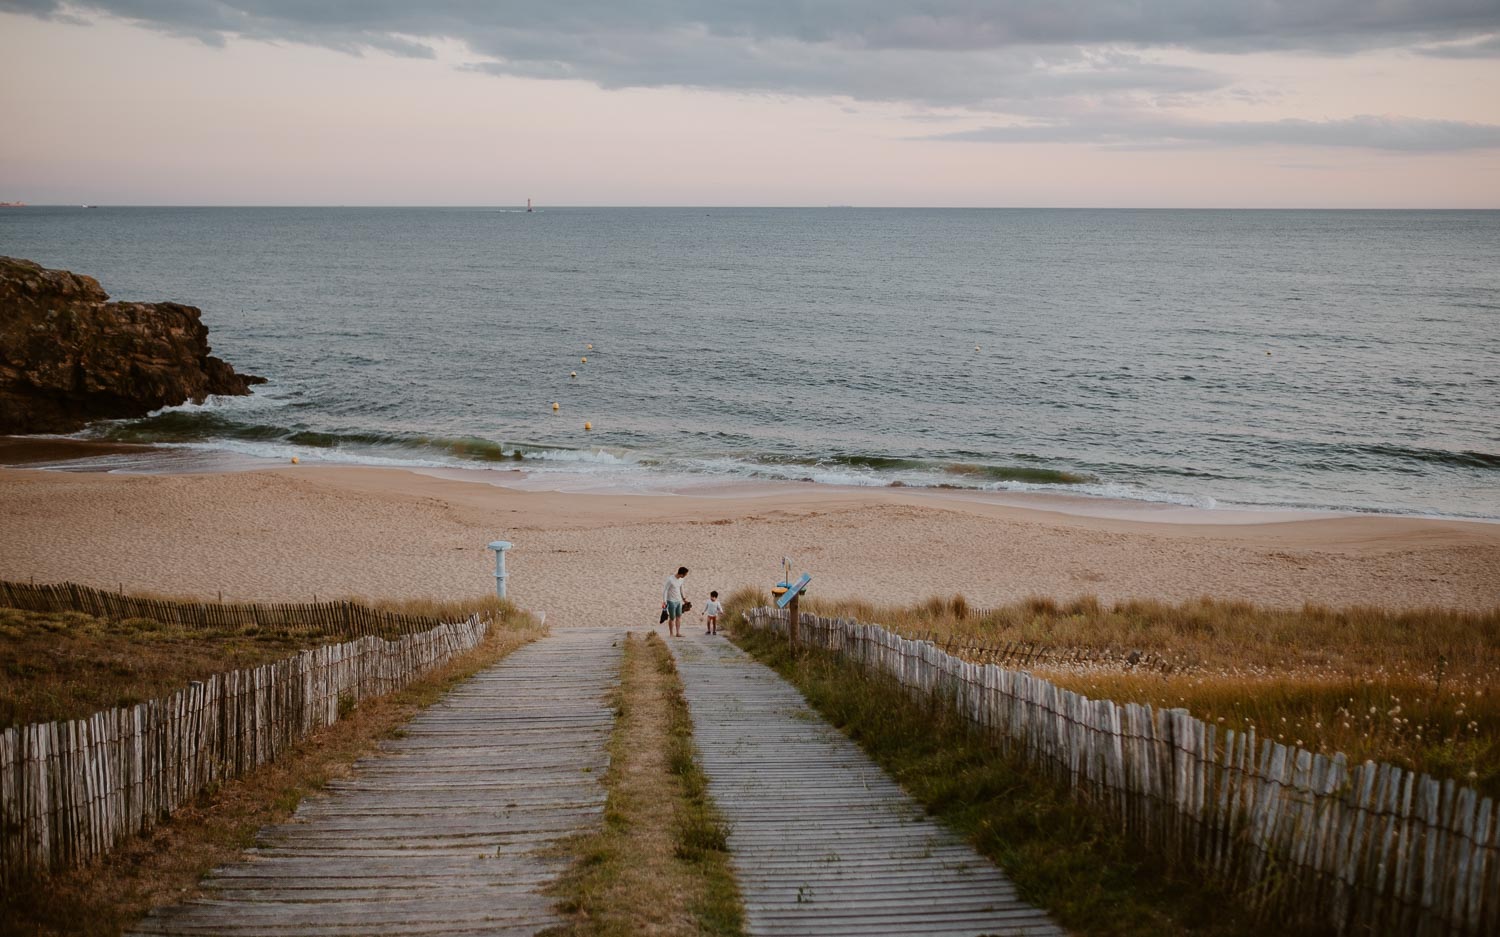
(68, 355)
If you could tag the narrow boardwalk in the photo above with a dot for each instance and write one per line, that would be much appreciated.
(823, 841)
(445, 831)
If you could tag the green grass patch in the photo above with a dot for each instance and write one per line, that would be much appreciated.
(659, 864)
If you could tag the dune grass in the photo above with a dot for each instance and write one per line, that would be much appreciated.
(164, 864)
(68, 665)
(1417, 688)
(660, 863)
(1062, 854)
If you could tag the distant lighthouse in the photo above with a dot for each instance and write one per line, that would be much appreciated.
(528, 204)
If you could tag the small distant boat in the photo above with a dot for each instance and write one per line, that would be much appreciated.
(528, 204)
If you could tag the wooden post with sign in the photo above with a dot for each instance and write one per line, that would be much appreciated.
(788, 601)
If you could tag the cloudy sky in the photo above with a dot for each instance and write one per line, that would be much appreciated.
(1357, 103)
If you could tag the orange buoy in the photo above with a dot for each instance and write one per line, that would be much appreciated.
(573, 374)
(588, 425)
(294, 460)
(554, 406)
(591, 348)
(584, 360)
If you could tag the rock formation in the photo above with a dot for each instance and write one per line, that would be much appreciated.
(68, 355)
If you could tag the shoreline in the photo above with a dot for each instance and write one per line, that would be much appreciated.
(290, 532)
(70, 454)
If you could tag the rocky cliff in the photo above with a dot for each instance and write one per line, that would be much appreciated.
(68, 355)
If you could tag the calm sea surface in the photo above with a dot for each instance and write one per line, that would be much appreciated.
(1308, 359)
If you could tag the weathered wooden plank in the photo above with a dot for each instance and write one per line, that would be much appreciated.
(397, 847)
(823, 841)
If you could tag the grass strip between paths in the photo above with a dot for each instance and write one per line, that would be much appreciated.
(1062, 854)
(164, 864)
(659, 865)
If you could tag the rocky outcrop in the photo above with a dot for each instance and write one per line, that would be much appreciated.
(69, 356)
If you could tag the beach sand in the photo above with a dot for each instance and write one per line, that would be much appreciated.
(290, 533)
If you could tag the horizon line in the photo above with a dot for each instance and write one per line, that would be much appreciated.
(521, 206)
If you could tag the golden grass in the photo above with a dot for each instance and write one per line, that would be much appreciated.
(1417, 688)
(163, 866)
(658, 866)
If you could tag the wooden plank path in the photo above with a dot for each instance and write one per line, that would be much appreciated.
(447, 830)
(823, 842)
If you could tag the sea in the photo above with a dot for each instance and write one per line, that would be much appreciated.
(1311, 360)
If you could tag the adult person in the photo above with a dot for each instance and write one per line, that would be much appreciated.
(671, 600)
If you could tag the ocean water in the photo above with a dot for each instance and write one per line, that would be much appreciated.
(1308, 359)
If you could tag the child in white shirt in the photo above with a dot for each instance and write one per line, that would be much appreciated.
(712, 611)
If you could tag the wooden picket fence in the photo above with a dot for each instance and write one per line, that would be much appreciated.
(70, 791)
(349, 619)
(1306, 838)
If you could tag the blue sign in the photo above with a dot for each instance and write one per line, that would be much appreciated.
(791, 593)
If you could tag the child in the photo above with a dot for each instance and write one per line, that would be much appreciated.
(712, 611)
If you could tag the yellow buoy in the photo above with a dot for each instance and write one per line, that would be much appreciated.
(591, 348)
(554, 406)
(573, 374)
(584, 360)
(588, 426)
(294, 460)
(976, 347)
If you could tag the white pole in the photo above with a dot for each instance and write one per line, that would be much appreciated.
(500, 546)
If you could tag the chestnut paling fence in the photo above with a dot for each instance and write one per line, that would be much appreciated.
(72, 790)
(350, 619)
(1365, 849)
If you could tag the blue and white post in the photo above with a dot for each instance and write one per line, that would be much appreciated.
(500, 546)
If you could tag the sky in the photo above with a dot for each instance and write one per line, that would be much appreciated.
(1067, 103)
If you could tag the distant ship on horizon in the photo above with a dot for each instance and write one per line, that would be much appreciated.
(528, 204)
(12, 204)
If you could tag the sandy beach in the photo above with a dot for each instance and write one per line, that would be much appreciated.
(289, 533)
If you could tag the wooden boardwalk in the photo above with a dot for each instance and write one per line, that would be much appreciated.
(823, 842)
(446, 831)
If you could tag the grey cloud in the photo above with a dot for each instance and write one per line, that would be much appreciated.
(1013, 56)
(1485, 48)
(874, 24)
(1002, 77)
(1396, 134)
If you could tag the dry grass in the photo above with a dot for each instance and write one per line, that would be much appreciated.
(163, 866)
(68, 665)
(1416, 688)
(659, 865)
